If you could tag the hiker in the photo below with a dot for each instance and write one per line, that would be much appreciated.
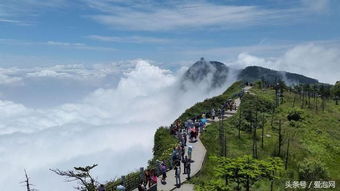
(101, 187)
(189, 152)
(185, 138)
(178, 176)
(173, 157)
(182, 139)
(188, 168)
(185, 161)
(141, 186)
(192, 134)
(154, 179)
(196, 134)
(147, 176)
(213, 114)
(163, 170)
(182, 152)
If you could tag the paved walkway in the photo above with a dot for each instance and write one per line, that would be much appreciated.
(198, 155)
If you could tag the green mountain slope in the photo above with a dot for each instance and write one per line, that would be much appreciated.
(313, 136)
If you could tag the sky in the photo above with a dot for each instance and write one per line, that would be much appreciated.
(89, 81)
(51, 32)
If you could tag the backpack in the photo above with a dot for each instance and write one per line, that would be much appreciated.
(163, 168)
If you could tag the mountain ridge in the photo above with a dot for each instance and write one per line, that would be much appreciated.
(217, 72)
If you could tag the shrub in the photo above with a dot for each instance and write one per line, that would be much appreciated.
(311, 169)
(295, 115)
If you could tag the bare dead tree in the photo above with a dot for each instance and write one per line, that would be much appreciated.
(82, 175)
(27, 182)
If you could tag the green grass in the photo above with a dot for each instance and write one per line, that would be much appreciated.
(317, 137)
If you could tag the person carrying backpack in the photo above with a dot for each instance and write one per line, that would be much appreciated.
(163, 171)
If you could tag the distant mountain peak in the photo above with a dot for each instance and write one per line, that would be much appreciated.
(214, 72)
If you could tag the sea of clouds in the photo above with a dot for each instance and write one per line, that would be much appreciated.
(111, 121)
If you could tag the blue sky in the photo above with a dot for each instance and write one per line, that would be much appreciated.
(43, 33)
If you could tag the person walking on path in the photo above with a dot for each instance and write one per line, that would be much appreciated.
(189, 152)
(163, 170)
(185, 138)
(173, 157)
(185, 161)
(182, 152)
(178, 176)
(213, 113)
(147, 176)
(188, 168)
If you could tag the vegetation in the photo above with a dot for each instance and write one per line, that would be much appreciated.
(302, 130)
(80, 174)
(214, 102)
(311, 169)
(245, 170)
(163, 145)
(336, 91)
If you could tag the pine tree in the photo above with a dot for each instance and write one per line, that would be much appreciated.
(82, 175)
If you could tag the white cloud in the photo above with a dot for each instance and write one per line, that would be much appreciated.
(8, 21)
(129, 39)
(318, 6)
(5, 79)
(11, 76)
(183, 16)
(21, 11)
(193, 15)
(319, 62)
(71, 45)
(77, 46)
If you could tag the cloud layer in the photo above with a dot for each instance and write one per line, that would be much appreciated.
(113, 127)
